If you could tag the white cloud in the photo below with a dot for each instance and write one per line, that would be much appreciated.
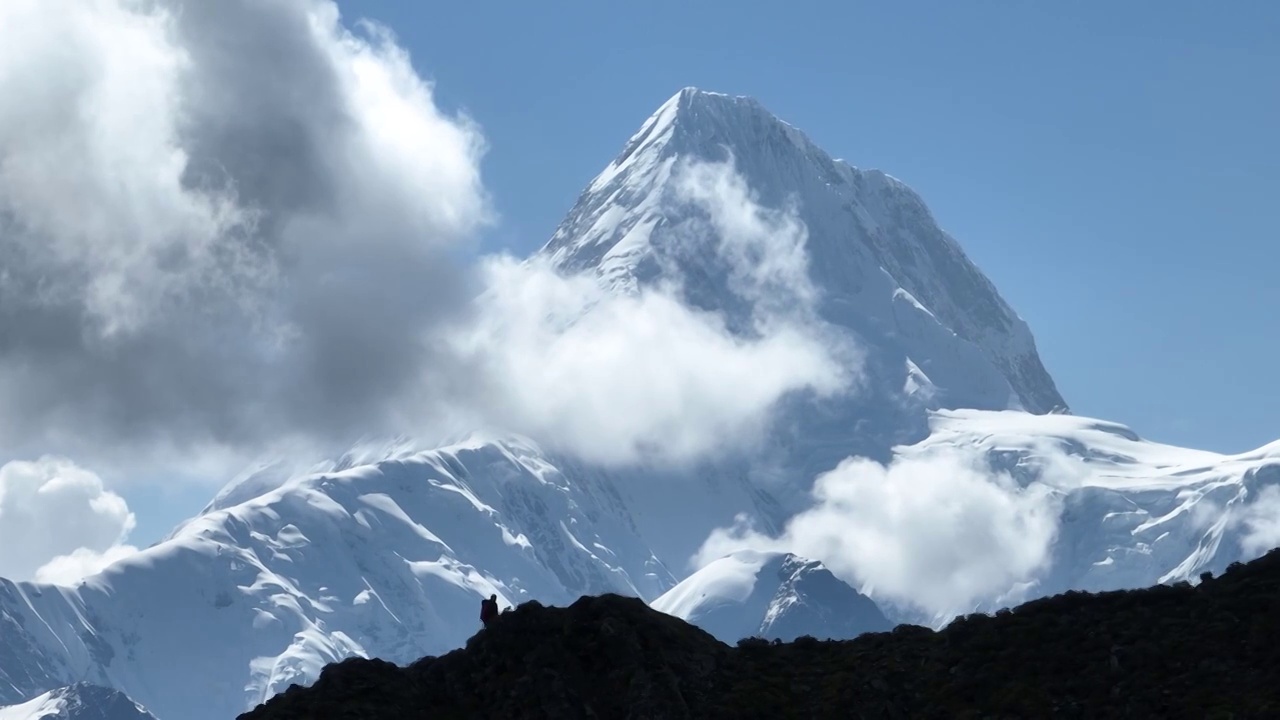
(764, 247)
(1261, 522)
(940, 532)
(625, 377)
(57, 522)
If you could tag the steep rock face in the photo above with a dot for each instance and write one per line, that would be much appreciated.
(1204, 651)
(776, 596)
(81, 701)
(887, 271)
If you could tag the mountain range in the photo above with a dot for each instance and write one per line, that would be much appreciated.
(387, 554)
(1159, 652)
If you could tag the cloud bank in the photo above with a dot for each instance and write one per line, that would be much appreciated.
(940, 532)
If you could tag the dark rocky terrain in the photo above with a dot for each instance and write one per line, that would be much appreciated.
(1205, 651)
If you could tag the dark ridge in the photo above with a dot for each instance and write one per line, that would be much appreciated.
(1181, 651)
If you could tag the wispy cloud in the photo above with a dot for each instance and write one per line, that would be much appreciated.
(763, 249)
(1259, 522)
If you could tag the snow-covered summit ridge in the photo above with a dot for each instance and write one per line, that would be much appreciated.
(774, 595)
(876, 254)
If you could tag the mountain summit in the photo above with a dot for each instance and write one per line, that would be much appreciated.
(884, 268)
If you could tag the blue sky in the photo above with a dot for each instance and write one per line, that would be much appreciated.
(1112, 167)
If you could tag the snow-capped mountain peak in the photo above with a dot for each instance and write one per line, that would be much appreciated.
(773, 595)
(883, 267)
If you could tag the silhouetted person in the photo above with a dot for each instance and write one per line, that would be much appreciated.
(488, 610)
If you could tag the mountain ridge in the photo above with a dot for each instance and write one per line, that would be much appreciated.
(1202, 651)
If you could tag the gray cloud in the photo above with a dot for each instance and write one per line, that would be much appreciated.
(221, 225)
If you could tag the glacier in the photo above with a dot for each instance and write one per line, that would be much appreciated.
(386, 552)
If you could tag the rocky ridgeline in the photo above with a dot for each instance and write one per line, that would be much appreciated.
(1205, 651)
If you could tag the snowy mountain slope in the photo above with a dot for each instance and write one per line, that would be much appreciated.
(771, 595)
(81, 701)
(386, 560)
(885, 268)
(1134, 512)
(671, 509)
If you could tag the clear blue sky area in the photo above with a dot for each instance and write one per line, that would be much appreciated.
(1113, 167)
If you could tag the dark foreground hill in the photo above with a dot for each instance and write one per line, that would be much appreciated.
(1209, 651)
